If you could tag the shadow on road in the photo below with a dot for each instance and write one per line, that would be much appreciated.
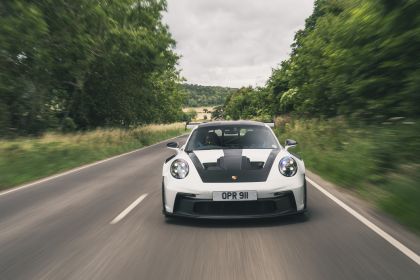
(241, 223)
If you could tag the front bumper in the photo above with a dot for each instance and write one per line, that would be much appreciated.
(280, 205)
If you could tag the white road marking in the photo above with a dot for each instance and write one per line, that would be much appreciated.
(405, 250)
(128, 209)
(79, 168)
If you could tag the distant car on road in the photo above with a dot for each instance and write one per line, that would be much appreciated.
(233, 169)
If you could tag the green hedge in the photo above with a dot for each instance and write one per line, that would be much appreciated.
(381, 162)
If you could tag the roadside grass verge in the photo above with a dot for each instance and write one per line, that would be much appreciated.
(27, 159)
(380, 162)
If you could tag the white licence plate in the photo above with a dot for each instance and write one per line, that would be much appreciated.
(235, 195)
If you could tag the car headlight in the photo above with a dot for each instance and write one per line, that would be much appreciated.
(288, 166)
(179, 169)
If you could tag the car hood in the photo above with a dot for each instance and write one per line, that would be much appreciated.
(233, 165)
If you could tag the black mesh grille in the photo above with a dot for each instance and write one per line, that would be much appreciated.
(234, 208)
(283, 203)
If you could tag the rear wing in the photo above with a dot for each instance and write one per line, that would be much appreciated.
(192, 125)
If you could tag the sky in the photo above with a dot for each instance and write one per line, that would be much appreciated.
(234, 42)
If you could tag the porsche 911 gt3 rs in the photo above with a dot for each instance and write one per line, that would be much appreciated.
(233, 169)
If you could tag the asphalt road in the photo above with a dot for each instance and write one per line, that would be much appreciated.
(61, 229)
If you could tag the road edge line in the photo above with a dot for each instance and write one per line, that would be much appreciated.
(76, 169)
(394, 242)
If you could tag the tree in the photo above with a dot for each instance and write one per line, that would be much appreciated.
(93, 63)
(218, 113)
(24, 60)
(196, 95)
(354, 58)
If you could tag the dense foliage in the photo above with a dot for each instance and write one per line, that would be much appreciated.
(249, 103)
(82, 64)
(357, 58)
(197, 96)
(369, 159)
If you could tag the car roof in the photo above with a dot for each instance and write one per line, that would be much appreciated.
(230, 123)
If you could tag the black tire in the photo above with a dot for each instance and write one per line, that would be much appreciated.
(305, 200)
(163, 200)
(168, 217)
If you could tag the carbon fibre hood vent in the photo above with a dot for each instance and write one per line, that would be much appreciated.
(246, 164)
(234, 164)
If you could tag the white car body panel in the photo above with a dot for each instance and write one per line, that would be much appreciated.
(193, 184)
(207, 156)
(257, 154)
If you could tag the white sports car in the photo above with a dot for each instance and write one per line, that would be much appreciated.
(233, 169)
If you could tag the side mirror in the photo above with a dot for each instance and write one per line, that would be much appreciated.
(290, 144)
(172, 145)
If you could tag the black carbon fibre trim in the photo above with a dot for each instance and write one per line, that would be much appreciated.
(296, 155)
(169, 158)
(282, 204)
(234, 164)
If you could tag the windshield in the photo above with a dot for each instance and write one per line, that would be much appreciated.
(232, 137)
